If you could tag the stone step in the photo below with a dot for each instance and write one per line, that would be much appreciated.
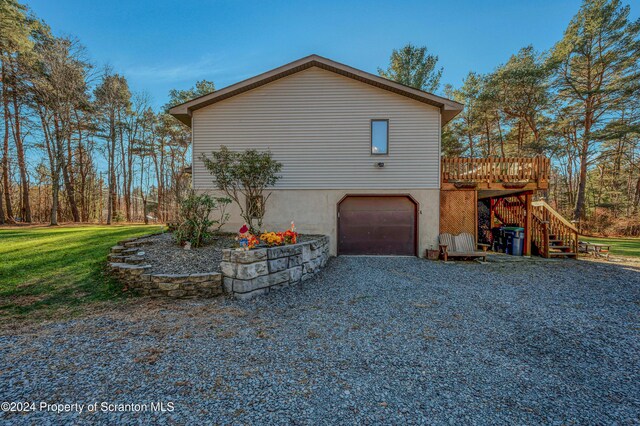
(117, 249)
(117, 257)
(134, 260)
(132, 250)
(120, 265)
(137, 244)
(127, 240)
(133, 244)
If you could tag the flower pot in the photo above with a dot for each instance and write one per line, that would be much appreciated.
(433, 254)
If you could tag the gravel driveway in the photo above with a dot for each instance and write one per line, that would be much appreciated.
(368, 341)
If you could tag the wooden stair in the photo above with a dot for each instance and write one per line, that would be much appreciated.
(557, 248)
(553, 235)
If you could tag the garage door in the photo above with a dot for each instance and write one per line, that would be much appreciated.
(382, 225)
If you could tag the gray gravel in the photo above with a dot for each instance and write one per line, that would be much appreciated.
(167, 257)
(368, 341)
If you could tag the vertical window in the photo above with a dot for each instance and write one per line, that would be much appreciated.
(379, 137)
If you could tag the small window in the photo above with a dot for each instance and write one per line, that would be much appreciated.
(379, 137)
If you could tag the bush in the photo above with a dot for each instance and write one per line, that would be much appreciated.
(244, 176)
(195, 224)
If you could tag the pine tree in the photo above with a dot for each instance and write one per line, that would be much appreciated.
(413, 66)
(597, 70)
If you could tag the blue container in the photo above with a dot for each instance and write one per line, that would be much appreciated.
(515, 246)
(513, 240)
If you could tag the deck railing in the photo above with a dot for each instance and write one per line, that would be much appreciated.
(506, 170)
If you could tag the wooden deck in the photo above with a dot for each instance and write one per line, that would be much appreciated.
(509, 174)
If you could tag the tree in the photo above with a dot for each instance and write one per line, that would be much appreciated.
(597, 69)
(244, 176)
(413, 66)
(172, 147)
(60, 88)
(112, 102)
(522, 92)
(467, 126)
(15, 28)
(177, 96)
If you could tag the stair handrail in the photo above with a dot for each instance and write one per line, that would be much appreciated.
(540, 235)
(557, 215)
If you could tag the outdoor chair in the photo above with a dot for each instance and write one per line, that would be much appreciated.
(462, 245)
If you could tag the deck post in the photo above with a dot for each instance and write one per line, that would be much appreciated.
(492, 215)
(527, 224)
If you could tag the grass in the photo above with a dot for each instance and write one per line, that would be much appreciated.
(47, 272)
(620, 246)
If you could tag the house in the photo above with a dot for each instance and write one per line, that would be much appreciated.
(360, 154)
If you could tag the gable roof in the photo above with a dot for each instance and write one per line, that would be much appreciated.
(448, 108)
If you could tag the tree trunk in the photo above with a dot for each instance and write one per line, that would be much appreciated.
(144, 199)
(578, 212)
(470, 138)
(501, 136)
(2, 217)
(161, 186)
(70, 191)
(5, 155)
(636, 200)
(55, 179)
(112, 174)
(488, 133)
(55, 189)
(83, 182)
(64, 166)
(26, 204)
(69, 182)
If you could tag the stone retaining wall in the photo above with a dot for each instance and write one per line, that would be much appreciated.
(127, 264)
(251, 273)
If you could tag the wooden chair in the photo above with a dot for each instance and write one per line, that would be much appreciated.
(462, 245)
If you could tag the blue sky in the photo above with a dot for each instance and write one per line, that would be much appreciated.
(161, 44)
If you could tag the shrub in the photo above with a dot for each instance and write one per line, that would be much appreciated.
(244, 176)
(195, 224)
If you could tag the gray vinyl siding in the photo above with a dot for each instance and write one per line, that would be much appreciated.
(317, 124)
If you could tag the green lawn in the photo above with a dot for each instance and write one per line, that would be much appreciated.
(619, 246)
(47, 272)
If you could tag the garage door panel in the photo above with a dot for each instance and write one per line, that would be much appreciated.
(383, 225)
(382, 221)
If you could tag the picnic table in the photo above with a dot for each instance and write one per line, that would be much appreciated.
(596, 249)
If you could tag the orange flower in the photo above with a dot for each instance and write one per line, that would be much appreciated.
(290, 237)
(252, 242)
(272, 239)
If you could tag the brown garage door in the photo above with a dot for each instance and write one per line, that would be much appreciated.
(382, 225)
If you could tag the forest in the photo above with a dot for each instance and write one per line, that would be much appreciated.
(79, 146)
